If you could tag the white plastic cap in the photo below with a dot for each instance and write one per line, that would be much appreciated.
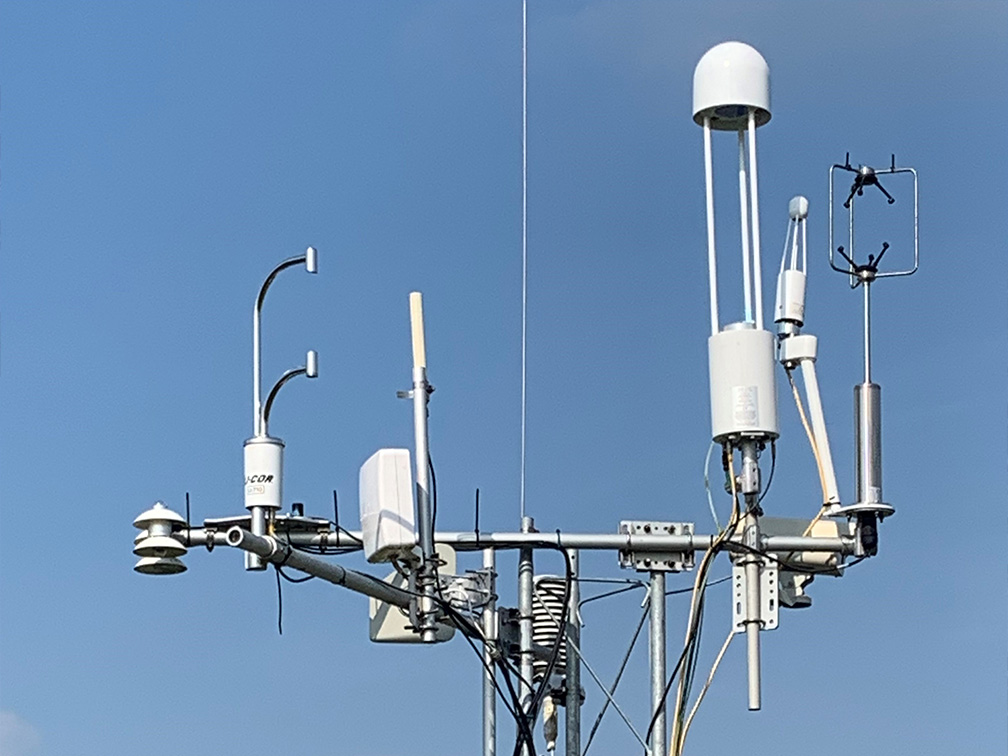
(159, 513)
(730, 79)
(798, 208)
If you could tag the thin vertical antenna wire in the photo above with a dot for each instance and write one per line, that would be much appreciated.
(744, 215)
(754, 197)
(711, 256)
(524, 337)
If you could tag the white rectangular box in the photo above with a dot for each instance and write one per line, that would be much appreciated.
(386, 505)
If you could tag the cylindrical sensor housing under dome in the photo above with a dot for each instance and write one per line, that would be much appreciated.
(742, 385)
(264, 472)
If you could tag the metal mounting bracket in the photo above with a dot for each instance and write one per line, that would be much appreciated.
(469, 591)
(656, 561)
(768, 596)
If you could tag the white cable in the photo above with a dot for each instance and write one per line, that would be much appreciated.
(703, 691)
(524, 335)
(706, 483)
(699, 586)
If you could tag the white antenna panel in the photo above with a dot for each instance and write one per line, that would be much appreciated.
(386, 505)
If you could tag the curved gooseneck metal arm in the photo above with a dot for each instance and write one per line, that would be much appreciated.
(310, 369)
(310, 259)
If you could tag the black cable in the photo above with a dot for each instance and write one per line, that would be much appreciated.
(677, 591)
(524, 728)
(290, 579)
(514, 707)
(476, 529)
(795, 567)
(668, 687)
(773, 466)
(279, 602)
(540, 692)
(608, 594)
(619, 676)
(433, 479)
(693, 633)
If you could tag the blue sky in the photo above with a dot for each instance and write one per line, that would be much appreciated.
(157, 159)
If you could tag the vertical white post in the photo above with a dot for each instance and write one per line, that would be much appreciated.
(754, 198)
(489, 617)
(711, 255)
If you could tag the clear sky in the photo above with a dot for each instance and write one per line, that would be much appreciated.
(158, 158)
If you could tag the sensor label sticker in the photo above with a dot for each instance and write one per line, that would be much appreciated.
(745, 405)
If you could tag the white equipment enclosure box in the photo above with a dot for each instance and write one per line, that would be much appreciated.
(743, 392)
(386, 505)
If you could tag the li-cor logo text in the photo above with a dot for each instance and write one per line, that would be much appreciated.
(254, 484)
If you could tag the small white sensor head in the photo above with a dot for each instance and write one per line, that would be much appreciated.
(311, 260)
(311, 364)
(798, 208)
(155, 539)
(730, 80)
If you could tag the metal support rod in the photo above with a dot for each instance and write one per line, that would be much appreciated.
(257, 339)
(867, 331)
(572, 726)
(752, 573)
(421, 394)
(425, 578)
(468, 541)
(751, 535)
(259, 515)
(273, 550)
(656, 647)
(489, 617)
(257, 523)
(525, 574)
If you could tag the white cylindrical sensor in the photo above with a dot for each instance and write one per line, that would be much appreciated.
(742, 385)
(790, 306)
(264, 472)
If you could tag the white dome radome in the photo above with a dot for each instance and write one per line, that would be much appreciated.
(731, 78)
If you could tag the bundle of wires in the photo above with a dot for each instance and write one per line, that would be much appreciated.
(524, 716)
(685, 667)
